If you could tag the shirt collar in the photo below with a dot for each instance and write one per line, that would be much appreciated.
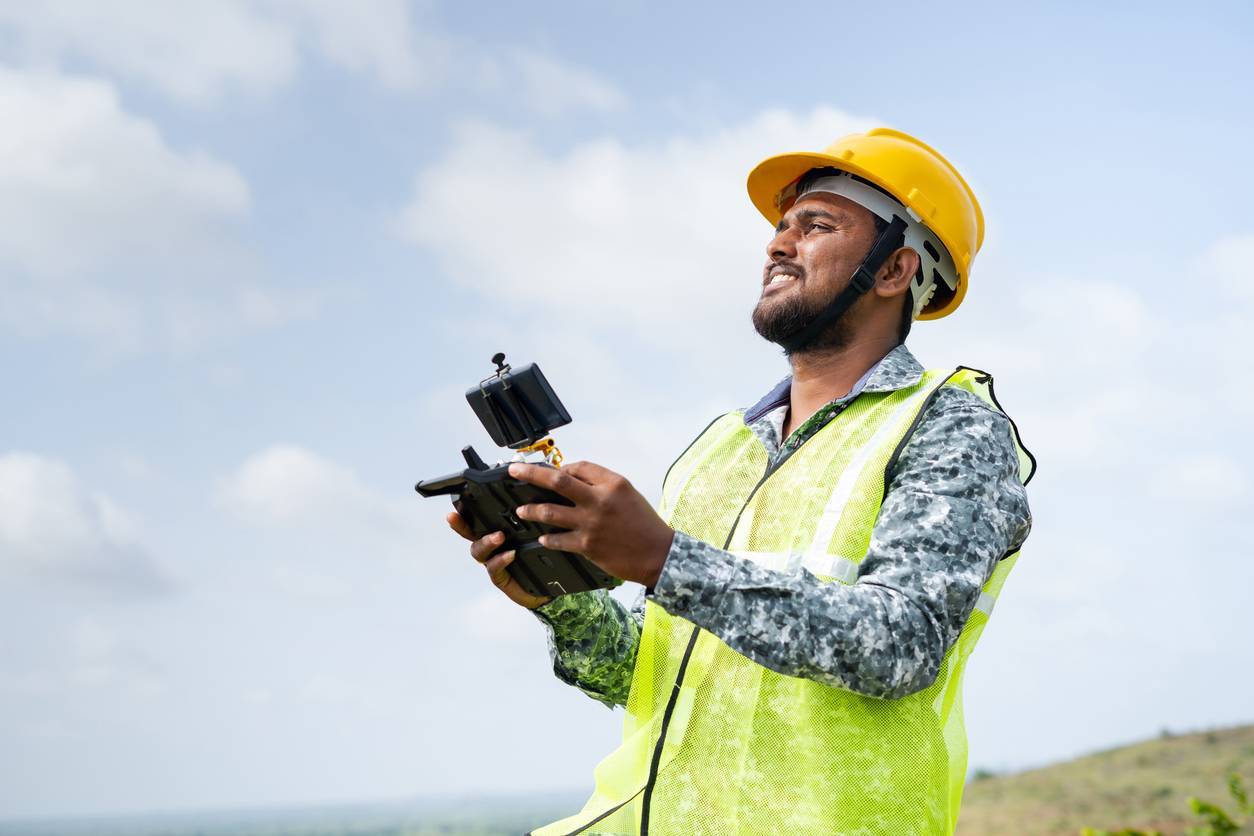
(895, 370)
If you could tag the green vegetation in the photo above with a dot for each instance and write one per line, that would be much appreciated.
(1215, 819)
(1155, 787)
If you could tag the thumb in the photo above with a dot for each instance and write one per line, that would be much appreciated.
(497, 565)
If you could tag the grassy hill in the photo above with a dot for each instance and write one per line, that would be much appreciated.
(1144, 786)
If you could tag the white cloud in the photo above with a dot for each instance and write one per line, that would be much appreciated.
(651, 232)
(194, 52)
(109, 233)
(378, 38)
(1231, 259)
(1105, 367)
(83, 181)
(297, 493)
(286, 484)
(198, 53)
(551, 87)
(1224, 278)
(53, 526)
(1040, 333)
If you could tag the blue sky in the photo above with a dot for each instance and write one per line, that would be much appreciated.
(252, 253)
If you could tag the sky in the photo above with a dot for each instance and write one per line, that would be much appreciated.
(253, 252)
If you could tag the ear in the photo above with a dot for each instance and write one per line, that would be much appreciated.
(895, 274)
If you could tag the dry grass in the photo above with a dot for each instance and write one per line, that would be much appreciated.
(1145, 786)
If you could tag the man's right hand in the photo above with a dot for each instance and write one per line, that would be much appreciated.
(481, 550)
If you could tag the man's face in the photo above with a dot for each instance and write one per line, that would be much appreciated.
(818, 245)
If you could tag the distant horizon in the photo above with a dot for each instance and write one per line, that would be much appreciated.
(322, 814)
(432, 801)
(561, 799)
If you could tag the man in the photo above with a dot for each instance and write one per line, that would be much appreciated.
(824, 561)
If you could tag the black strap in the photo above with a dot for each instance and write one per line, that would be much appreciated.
(862, 281)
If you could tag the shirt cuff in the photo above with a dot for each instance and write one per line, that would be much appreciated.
(563, 609)
(693, 575)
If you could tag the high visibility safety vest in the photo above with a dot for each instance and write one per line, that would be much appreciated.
(714, 743)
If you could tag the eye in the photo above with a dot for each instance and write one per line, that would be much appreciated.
(813, 225)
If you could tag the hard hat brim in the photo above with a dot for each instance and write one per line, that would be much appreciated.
(771, 176)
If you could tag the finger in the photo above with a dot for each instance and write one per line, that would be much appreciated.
(458, 523)
(496, 567)
(552, 478)
(482, 548)
(562, 516)
(590, 472)
(564, 541)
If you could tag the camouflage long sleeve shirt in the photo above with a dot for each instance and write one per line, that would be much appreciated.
(954, 506)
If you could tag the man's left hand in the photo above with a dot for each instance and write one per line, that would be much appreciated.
(611, 524)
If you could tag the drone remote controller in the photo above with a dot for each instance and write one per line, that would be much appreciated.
(518, 409)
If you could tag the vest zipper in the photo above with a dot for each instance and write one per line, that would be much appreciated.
(656, 762)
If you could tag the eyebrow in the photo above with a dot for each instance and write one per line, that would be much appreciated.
(810, 214)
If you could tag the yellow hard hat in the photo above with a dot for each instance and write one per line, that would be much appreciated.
(930, 188)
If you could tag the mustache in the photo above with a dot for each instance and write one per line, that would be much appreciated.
(788, 268)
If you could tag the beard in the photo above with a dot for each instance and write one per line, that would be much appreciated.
(776, 320)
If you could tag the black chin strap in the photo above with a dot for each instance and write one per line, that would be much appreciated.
(862, 281)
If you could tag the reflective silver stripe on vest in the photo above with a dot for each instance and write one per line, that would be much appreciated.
(985, 603)
(829, 565)
(835, 507)
(777, 561)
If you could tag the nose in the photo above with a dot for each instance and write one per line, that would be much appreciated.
(782, 245)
